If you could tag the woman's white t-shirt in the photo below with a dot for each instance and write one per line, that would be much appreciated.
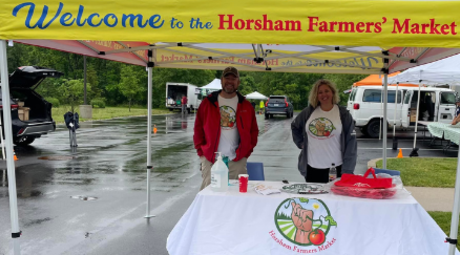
(324, 129)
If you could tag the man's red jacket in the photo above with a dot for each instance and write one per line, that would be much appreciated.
(207, 127)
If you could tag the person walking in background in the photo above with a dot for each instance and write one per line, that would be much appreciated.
(261, 107)
(184, 102)
(225, 122)
(253, 104)
(325, 133)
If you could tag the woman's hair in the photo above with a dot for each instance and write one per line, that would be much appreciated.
(313, 98)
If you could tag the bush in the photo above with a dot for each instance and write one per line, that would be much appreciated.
(98, 103)
(54, 101)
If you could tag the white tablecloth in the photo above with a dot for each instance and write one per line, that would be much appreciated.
(252, 224)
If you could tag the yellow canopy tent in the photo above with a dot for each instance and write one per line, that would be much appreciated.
(258, 35)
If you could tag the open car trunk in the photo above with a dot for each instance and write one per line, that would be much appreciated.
(32, 106)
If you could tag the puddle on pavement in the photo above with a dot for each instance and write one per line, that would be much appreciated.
(57, 157)
(84, 198)
(37, 222)
(29, 193)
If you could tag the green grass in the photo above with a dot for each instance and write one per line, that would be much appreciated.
(443, 220)
(424, 172)
(106, 113)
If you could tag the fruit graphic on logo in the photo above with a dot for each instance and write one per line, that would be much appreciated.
(231, 124)
(317, 237)
(327, 133)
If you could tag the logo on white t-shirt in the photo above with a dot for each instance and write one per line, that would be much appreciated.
(227, 117)
(321, 127)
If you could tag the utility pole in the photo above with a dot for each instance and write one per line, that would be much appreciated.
(84, 80)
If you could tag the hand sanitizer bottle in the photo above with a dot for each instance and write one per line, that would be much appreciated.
(219, 175)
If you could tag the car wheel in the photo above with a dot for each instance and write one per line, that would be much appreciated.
(24, 140)
(267, 116)
(271, 115)
(288, 115)
(373, 128)
(292, 115)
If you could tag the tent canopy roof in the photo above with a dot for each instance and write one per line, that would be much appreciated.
(375, 79)
(256, 96)
(442, 72)
(253, 57)
(214, 84)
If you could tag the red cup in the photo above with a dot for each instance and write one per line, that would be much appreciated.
(243, 178)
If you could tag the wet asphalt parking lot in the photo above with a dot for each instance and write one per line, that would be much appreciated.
(92, 199)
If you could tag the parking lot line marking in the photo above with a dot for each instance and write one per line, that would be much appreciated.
(389, 148)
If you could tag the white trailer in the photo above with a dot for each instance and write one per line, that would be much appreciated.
(174, 93)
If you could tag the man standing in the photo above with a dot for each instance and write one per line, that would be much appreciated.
(225, 122)
(184, 102)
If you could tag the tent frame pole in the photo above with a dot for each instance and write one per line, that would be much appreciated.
(395, 141)
(12, 194)
(455, 212)
(149, 131)
(385, 105)
(414, 152)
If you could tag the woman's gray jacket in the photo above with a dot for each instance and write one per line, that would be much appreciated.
(348, 139)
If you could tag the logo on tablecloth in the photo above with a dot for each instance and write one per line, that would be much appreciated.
(304, 222)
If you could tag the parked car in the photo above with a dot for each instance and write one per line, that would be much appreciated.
(278, 105)
(365, 105)
(30, 113)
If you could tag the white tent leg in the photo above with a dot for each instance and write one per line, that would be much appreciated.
(384, 124)
(149, 135)
(455, 210)
(415, 149)
(395, 142)
(15, 232)
(381, 112)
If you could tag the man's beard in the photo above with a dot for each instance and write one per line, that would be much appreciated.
(229, 90)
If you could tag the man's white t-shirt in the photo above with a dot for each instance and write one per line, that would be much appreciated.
(229, 136)
(324, 130)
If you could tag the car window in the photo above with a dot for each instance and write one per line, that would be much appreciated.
(353, 94)
(375, 96)
(276, 100)
(407, 97)
(447, 98)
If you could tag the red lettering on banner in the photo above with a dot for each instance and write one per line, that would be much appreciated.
(432, 28)
(344, 26)
(227, 22)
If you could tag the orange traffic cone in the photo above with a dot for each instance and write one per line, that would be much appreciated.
(400, 154)
(14, 156)
(154, 129)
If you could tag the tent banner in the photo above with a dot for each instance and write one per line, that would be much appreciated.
(336, 61)
(313, 22)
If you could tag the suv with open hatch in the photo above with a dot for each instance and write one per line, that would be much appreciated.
(279, 105)
(30, 113)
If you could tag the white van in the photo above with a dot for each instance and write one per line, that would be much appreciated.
(364, 104)
(174, 93)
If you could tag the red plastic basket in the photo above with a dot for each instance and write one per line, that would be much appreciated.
(364, 193)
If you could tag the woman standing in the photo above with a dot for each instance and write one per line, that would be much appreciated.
(325, 133)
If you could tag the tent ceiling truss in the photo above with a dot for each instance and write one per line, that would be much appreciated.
(260, 55)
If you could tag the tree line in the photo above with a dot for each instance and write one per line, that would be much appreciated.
(117, 84)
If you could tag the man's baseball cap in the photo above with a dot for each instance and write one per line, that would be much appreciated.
(230, 70)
